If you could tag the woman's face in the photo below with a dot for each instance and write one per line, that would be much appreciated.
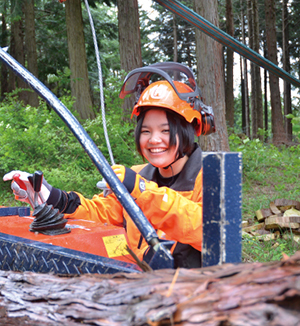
(154, 139)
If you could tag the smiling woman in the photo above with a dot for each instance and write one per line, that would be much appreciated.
(168, 189)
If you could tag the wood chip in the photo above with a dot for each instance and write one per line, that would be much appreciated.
(253, 227)
(244, 224)
(296, 238)
(246, 234)
(267, 237)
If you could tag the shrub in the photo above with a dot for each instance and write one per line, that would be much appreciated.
(37, 139)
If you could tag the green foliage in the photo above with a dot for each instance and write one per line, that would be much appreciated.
(269, 172)
(257, 250)
(52, 48)
(51, 38)
(37, 139)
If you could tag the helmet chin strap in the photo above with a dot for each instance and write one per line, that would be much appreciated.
(178, 158)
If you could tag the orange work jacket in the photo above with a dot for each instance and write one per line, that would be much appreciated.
(175, 212)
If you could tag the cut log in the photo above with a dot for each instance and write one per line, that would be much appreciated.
(263, 213)
(292, 212)
(274, 209)
(294, 219)
(280, 222)
(258, 294)
(281, 203)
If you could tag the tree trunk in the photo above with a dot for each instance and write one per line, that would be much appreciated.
(229, 68)
(286, 67)
(129, 44)
(211, 77)
(4, 42)
(266, 116)
(175, 56)
(246, 125)
(256, 93)
(279, 135)
(80, 88)
(30, 47)
(252, 93)
(257, 78)
(18, 52)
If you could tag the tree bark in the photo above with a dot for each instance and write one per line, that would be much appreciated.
(229, 68)
(80, 88)
(17, 51)
(260, 294)
(287, 67)
(246, 125)
(252, 96)
(266, 116)
(30, 47)
(256, 93)
(4, 42)
(211, 77)
(279, 135)
(257, 78)
(129, 44)
(175, 56)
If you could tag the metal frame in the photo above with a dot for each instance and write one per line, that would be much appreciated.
(222, 201)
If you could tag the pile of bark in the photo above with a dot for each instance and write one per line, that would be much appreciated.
(237, 295)
(280, 219)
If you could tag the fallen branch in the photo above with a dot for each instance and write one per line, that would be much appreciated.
(244, 294)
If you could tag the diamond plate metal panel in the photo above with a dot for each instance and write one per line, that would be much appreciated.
(19, 254)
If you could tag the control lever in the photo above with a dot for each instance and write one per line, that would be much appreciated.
(37, 184)
(47, 220)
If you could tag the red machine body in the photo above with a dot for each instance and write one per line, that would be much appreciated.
(86, 236)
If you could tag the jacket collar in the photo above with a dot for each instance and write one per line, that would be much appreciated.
(187, 176)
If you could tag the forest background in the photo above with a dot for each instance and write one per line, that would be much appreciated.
(255, 112)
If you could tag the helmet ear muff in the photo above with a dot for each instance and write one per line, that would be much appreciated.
(207, 115)
(208, 124)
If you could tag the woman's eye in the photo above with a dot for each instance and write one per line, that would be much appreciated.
(144, 131)
(165, 131)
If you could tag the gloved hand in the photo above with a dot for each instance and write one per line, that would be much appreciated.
(134, 183)
(23, 189)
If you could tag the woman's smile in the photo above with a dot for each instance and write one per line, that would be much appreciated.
(157, 150)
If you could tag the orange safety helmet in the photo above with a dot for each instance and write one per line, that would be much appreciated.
(162, 94)
(172, 86)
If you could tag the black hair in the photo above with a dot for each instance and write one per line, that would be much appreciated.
(178, 126)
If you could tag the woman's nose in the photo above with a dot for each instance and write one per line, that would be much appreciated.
(155, 138)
